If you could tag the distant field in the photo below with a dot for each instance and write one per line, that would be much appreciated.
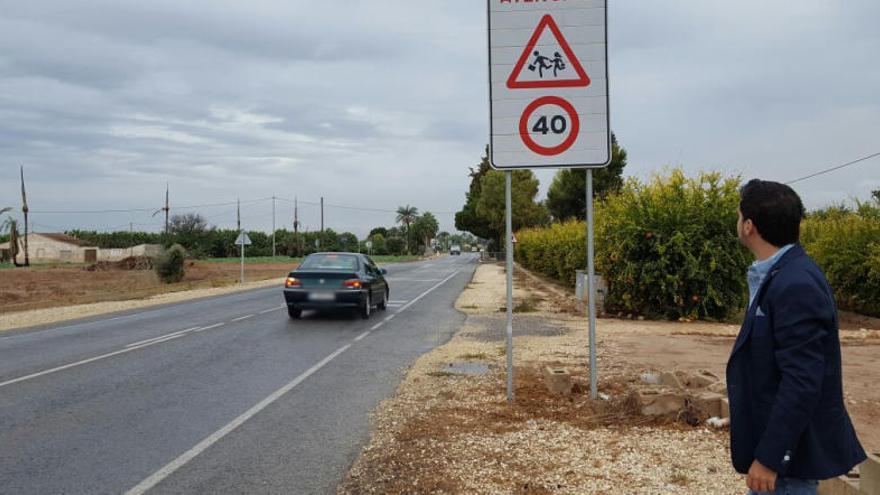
(49, 286)
(285, 259)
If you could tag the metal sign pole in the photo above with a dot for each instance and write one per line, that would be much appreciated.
(242, 256)
(591, 287)
(509, 247)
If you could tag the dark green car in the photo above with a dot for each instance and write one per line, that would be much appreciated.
(332, 281)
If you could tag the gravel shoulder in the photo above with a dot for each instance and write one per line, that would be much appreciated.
(449, 428)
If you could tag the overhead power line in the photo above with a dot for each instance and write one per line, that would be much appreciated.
(832, 169)
(148, 210)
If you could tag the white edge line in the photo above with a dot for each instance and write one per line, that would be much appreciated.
(187, 456)
(377, 326)
(215, 437)
(425, 293)
(245, 317)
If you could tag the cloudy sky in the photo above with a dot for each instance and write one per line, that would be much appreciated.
(374, 104)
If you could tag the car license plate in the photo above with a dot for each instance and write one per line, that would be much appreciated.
(322, 296)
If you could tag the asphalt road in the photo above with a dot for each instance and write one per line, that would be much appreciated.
(220, 395)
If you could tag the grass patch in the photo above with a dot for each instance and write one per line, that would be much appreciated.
(4, 266)
(473, 356)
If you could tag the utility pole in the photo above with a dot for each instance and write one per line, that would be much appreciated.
(296, 225)
(322, 223)
(24, 209)
(131, 239)
(273, 225)
(165, 208)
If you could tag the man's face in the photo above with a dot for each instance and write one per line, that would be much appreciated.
(741, 229)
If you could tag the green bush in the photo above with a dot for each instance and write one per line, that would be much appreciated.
(668, 248)
(846, 244)
(170, 265)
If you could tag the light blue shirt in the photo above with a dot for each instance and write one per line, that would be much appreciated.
(759, 270)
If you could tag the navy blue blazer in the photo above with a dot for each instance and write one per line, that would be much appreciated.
(784, 378)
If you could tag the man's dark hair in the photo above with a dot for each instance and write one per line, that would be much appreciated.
(775, 209)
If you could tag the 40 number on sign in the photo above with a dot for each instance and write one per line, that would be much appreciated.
(557, 124)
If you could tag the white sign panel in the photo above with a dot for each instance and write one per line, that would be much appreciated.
(243, 239)
(548, 74)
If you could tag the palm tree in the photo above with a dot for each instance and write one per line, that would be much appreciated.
(407, 215)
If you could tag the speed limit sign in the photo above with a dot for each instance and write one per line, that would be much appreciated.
(549, 84)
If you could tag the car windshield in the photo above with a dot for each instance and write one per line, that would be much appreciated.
(330, 262)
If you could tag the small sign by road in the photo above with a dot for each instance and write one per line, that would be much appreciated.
(243, 239)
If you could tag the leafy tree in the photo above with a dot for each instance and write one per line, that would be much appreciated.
(425, 228)
(407, 215)
(395, 245)
(191, 231)
(876, 196)
(467, 219)
(526, 212)
(566, 197)
(378, 241)
(443, 240)
(379, 230)
(347, 242)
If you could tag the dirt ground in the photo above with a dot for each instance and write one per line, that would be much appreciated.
(38, 287)
(449, 429)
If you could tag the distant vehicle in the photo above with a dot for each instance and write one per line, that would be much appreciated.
(327, 281)
(455, 250)
(473, 249)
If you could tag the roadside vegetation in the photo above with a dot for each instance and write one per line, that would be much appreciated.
(667, 246)
(845, 242)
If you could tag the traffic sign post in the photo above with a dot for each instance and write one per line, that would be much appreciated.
(242, 241)
(548, 91)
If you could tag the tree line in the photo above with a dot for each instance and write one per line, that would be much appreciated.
(483, 213)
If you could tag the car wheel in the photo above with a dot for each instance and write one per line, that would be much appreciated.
(384, 304)
(368, 306)
(294, 312)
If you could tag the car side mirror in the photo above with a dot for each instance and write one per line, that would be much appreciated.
(384, 271)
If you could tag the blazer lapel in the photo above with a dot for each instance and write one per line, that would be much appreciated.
(746, 330)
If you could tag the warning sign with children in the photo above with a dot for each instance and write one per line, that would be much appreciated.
(549, 84)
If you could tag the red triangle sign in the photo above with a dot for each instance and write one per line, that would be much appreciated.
(582, 80)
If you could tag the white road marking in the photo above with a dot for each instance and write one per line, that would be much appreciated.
(397, 302)
(426, 293)
(84, 361)
(413, 280)
(163, 337)
(270, 310)
(377, 325)
(210, 327)
(240, 318)
(215, 437)
(190, 454)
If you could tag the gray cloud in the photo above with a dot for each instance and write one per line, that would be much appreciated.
(383, 104)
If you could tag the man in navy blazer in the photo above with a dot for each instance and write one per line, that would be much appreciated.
(788, 424)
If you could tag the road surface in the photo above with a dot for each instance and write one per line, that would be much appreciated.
(219, 395)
